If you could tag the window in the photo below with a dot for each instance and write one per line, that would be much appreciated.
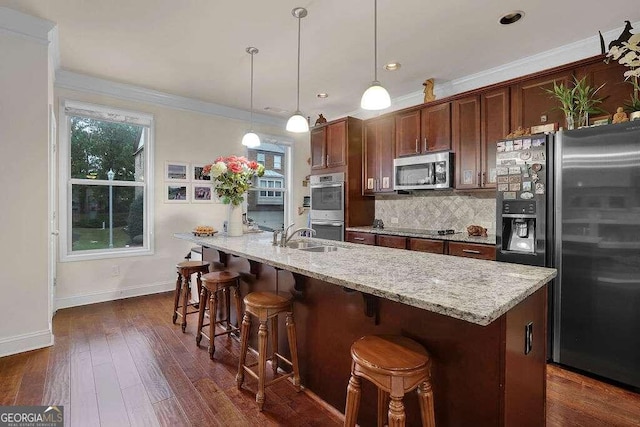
(105, 206)
(268, 202)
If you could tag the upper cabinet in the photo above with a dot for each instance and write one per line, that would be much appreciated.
(422, 130)
(329, 145)
(495, 115)
(378, 155)
(466, 142)
(615, 92)
(531, 105)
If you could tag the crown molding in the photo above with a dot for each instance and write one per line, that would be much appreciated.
(81, 82)
(565, 54)
(25, 26)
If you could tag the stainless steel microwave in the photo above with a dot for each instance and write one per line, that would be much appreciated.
(425, 172)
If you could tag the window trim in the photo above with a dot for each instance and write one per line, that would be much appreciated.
(65, 181)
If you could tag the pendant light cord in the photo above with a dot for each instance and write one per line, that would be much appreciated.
(251, 122)
(375, 40)
(298, 91)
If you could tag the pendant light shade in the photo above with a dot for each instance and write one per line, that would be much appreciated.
(297, 123)
(250, 139)
(376, 97)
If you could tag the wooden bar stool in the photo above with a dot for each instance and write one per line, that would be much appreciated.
(266, 306)
(183, 287)
(396, 365)
(212, 284)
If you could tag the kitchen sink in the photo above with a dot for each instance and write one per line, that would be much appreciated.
(300, 244)
(323, 248)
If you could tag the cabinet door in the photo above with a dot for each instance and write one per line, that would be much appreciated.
(370, 157)
(398, 242)
(362, 238)
(472, 250)
(529, 101)
(336, 144)
(495, 126)
(615, 93)
(386, 154)
(426, 245)
(408, 133)
(466, 138)
(318, 148)
(436, 127)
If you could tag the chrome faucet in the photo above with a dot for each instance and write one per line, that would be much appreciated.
(284, 239)
(275, 237)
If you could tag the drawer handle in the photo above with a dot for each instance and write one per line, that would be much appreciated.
(471, 251)
(359, 238)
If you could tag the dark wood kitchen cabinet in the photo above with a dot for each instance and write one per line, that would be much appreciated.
(362, 238)
(466, 141)
(423, 130)
(329, 145)
(472, 250)
(378, 155)
(615, 92)
(398, 242)
(530, 102)
(425, 245)
(495, 115)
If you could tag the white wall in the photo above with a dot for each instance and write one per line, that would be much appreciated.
(179, 136)
(24, 99)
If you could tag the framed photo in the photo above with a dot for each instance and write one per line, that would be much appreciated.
(600, 120)
(196, 172)
(176, 171)
(176, 193)
(202, 193)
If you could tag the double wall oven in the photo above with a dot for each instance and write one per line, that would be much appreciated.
(327, 206)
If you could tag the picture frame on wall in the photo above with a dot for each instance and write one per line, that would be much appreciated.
(176, 193)
(202, 193)
(196, 172)
(176, 171)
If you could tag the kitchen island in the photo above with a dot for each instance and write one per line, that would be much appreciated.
(472, 316)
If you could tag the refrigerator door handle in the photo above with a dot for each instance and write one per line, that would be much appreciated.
(557, 220)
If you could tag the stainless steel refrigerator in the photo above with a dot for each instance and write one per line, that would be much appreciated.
(596, 296)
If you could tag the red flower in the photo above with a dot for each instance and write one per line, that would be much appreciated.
(253, 165)
(206, 170)
(235, 167)
(219, 159)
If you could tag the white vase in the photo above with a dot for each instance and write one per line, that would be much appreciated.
(234, 220)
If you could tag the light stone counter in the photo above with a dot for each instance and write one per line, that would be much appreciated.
(476, 291)
(416, 232)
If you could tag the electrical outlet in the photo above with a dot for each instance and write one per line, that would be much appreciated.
(115, 270)
(394, 220)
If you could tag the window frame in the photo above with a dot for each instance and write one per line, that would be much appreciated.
(65, 182)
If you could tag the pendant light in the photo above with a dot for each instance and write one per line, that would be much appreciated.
(298, 123)
(250, 139)
(376, 97)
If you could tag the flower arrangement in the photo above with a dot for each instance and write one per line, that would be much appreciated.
(577, 102)
(232, 177)
(628, 54)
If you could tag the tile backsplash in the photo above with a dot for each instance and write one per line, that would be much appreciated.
(434, 210)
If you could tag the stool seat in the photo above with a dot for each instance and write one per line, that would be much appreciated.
(183, 288)
(390, 353)
(268, 300)
(396, 365)
(213, 283)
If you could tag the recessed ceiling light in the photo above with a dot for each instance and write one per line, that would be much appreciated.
(392, 66)
(511, 17)
(322, 95)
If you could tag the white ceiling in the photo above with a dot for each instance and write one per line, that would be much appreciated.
(196, 48)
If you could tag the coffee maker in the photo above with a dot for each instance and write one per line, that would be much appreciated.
(524, 184)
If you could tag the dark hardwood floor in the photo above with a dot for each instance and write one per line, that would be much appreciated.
(124, 363)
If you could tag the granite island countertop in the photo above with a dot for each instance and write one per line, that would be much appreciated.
(473, 290)
(423, 234)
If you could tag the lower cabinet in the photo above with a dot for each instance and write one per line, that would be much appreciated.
(472, 250)
(469, 250)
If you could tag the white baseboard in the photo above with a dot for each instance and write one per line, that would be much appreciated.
(25, 342)
(111, 295)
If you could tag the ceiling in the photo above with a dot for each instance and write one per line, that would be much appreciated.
(196, 48)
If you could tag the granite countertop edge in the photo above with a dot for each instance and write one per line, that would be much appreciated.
(481, 299)
(458, 237)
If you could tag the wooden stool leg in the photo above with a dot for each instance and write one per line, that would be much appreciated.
(244, 344)
(227, 304)
(201, 309)
(186, 285)
(425, 397)
(199, 284)
(396, 412)
(293, 348)
(176, 297)
(213, 308)
(236, 293)
(262, 363)
(383, 404)
(353, 402)
(274, 344)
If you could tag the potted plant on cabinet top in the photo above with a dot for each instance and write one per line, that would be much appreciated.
(577, 102)
(628, 54)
